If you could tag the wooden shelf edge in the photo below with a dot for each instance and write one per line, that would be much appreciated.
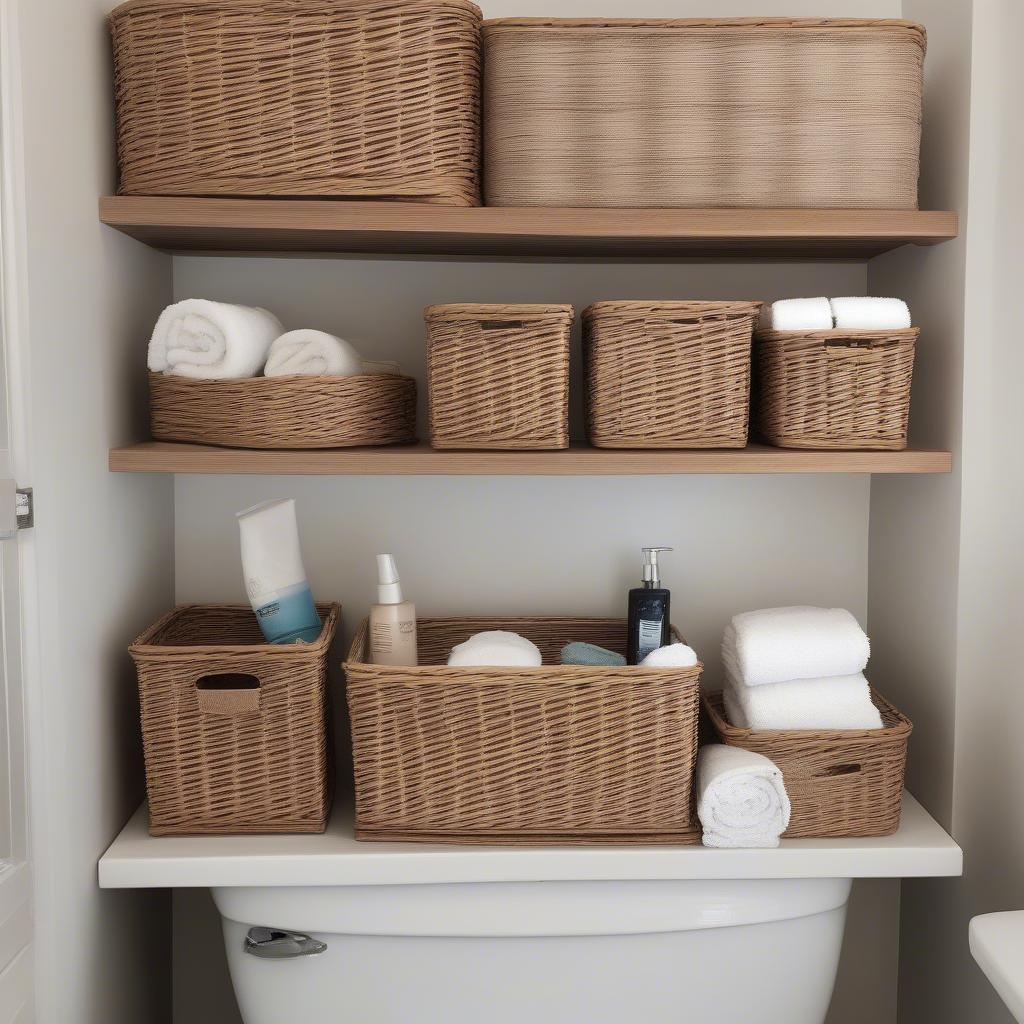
(421, 460)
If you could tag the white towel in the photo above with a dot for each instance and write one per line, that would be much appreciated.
(671, 656)
(797, 315)
(741, 798)
(212, 340)
(775, 645)
(496, 647)
(313, 354)
(835, 702)
(864, 313)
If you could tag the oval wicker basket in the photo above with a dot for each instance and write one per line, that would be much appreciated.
(284, 412)
(361, 98)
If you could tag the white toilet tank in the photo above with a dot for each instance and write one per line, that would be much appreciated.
(653, 952)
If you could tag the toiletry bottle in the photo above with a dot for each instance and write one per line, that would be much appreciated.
(392, 620)
(649, 625)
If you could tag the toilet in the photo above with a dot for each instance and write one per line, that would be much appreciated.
(748, 951)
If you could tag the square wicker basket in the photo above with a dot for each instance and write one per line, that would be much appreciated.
(668, 374)
(526, 756)
(499, 376)
(234, 729)
(841, 783)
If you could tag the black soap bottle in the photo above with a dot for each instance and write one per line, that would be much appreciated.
(649, 624)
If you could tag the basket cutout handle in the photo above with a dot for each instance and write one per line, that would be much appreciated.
(858, 348)
(836, 770)
(228, 693)
(501, 325)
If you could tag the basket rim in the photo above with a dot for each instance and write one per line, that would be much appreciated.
(714, 705)
(306, 381)
(672, 307)
(462, 6)
(485, 310)
(899, 333)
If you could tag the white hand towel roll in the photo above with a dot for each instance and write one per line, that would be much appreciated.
(741, 798)
(865, 313)
(212, 340)
(312, 354)
(835, 702)
(797, 315)
(775, 645)
(496, 647)
(671, 656)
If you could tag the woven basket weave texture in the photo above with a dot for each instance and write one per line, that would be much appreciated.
(840, 783)
(366, 98)
(515, 755)
(668, 374)
(284, 412)
(694, 113)
(224, 756)
(499, 376)
(834, 389)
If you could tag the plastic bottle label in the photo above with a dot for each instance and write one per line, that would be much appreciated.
(650, 637)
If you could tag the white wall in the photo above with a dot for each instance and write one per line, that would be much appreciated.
(103, 543)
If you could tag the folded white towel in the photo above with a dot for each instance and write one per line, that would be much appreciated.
(313, 354)
(741, 798)
(775, 645)
(796, 315)
(865, 313)
(212, 340)
(496, 647)
(671, 656)
(835, 702)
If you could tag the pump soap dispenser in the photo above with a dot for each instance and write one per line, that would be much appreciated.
(649, 624)
(392, 620)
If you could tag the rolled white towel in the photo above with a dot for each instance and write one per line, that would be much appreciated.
(312, 354)
(775, 645)
(671, 656)
(866, 313)
(741, 798)
(796, 315)
(212, 340)
(496, 647)
(836, 702)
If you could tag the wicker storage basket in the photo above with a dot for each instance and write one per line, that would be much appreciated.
(668, 374)
(557, 754)
(234, 729)
(772, 112)
(284, 412)
(499, 376)
(359, 99)
(840, 783)
(834, 389)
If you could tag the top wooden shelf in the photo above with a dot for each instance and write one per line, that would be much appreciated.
(337, 226)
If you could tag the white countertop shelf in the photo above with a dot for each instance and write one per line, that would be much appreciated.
(137, 860)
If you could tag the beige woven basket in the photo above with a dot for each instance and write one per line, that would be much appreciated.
(668, 374)
(359, 99)
(499, 376)
(840, 783)
(528, 756)
(834, 389)
(284, 412)
(766, 112)
(234, 729)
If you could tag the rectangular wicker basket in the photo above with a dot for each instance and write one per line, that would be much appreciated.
(284, 412)
(499, 376)
(357, 99)
(840, 783)
(834, 389)
(743, 112)
(527, 756)
(668, 374)
(234, 729)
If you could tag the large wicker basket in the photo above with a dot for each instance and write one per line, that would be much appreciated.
(284, 412)
(234, 729)
(834, 389)
(840, 783)
(765, 112)
(557, 754)
(499, 376)
(668, 374)
(361, 98)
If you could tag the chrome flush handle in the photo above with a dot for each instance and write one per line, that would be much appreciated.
(277, 944)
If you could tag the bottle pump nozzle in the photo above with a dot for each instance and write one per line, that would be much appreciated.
(652, 577)
(389, 589)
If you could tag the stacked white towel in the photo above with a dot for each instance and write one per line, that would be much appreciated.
(796, 315)
(867, 313)
(496, 647)
(741, 798)
(797, 668)
(212, 340)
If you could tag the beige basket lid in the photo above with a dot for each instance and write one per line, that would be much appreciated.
(673, 309)
(497, 311)
(398, 6)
